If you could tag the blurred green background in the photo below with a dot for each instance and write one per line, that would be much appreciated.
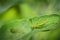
(24, 16)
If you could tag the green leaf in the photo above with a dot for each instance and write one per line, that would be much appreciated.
(49, 22)
(44, 29)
